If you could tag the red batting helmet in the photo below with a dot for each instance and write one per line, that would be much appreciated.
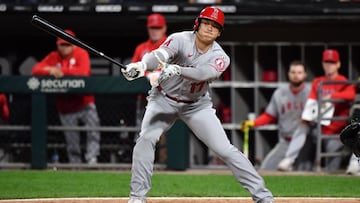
(210, 13)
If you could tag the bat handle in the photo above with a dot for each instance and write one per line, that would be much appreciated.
(246, 142)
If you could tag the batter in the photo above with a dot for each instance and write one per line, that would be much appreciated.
(190, 61)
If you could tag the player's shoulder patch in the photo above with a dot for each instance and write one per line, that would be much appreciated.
(220, 64)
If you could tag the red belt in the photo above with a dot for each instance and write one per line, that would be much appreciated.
(174, 98)
(287, 138)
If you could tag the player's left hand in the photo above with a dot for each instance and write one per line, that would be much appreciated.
(133, 71)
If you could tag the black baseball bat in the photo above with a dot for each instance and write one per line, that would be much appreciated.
(58, 32)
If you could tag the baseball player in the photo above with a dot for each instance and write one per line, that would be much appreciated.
(70, 60)
(190, 60)
(331, 64)
(285, 108)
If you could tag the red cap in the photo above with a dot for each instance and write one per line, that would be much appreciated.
(62, 41)
(331, 55)
(156, 20)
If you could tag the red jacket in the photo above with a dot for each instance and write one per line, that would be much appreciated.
(337, 91)
(78, 64)
(4, 108)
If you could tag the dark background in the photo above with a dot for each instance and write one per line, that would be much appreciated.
(117, 34)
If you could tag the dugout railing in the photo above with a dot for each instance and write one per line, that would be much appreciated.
(320, 153)
(32, 124)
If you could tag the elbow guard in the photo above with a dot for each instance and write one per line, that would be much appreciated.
(152, 62)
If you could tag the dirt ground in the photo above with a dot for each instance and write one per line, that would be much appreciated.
(185, 200)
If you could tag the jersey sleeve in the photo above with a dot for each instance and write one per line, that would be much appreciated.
(348, 92)
(211, 70)
(137, 54)
(39, 68)
(264, 119)
(313, 90)
(271, 108)
(165, 53)
(171, 46)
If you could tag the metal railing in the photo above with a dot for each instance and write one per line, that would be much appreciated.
(320, 117)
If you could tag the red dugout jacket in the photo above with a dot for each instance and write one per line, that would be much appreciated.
(337, 91)
(78, 64)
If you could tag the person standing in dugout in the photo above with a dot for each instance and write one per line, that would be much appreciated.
(70, 60)
(190, 61)
(4, 120)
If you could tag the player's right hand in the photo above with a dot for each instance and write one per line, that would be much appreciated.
(247, 124)
(134, 71)
(168, 70)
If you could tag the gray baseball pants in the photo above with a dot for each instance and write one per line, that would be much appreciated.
(89, 117)
(200, 117)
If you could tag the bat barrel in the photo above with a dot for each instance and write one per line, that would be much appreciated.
(58, 32)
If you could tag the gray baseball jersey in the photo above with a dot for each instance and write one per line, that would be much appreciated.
(186, 97)
(287, 106)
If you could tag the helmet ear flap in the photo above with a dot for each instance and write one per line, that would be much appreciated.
(196, 24)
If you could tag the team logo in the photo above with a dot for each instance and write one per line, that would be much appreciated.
(72, 61)
(33, 83)
(167, 42)
(214, 15)
(220, 64)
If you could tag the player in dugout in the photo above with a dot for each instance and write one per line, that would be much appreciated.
(285, 108)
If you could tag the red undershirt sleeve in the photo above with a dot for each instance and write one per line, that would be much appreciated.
(264, 119)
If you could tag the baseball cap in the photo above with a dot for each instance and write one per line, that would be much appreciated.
(62, 41)
(156, 20)
(331, 55)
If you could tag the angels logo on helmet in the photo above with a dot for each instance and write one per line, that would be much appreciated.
(210, 13)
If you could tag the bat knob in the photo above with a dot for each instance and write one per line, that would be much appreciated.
(34, 17)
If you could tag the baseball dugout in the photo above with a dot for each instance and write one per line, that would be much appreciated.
(34, 136)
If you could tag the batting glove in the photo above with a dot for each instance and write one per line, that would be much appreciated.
(134, 71)
(245, 125)
(168, 70)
